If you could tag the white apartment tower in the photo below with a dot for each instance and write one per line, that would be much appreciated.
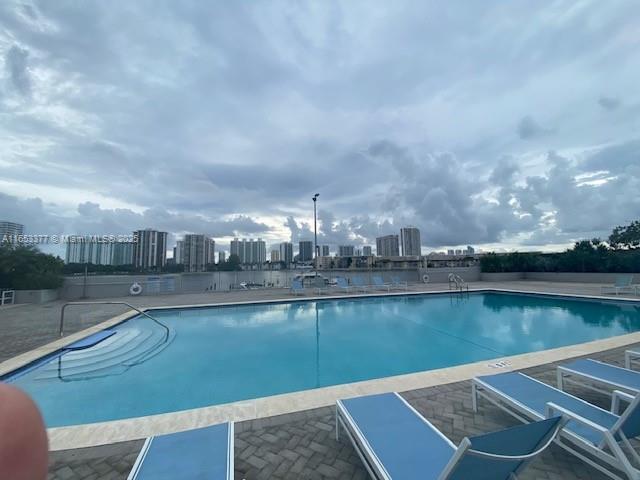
(250, 252)
(388, 246)
(410, 241)
(286, 253)
(150, 251)
(198, 251)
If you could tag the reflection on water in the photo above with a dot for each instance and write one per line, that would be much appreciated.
(591, 312)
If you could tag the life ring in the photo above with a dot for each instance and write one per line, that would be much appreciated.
(425, 278)
(135, 289)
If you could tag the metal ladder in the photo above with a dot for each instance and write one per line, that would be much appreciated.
(61, 327)
(457, 282)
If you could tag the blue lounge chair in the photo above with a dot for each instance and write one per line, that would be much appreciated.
(593, 371)
(358, 283)
(396, 443)
(341, 284)
(595, 435)
(399, 284)
(379, 284)
(297, 287)
(630, 357)
(190, 455)
(622, 284)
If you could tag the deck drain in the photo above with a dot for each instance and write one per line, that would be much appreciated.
(500, 364)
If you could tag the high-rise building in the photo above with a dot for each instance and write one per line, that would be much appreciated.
(305, 251)
(10, 229)
(470, 250)
(250, 252)
(286, 253)
(325, 251)
(150, 251)
(178, 253)
(451, 252)
(122, 253)
(366, 251)
(198, 251)
(388, 246)
(94, 251)
(346, 251)
(410, 241)
(275, 256)
(222, 257)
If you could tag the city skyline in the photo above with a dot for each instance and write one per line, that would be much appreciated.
(230, 121)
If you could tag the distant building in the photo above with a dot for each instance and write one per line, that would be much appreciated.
(122, 253)
(410, 241)
(346, 251)
(250, 252)
(286, 253)
(82, 249)
(450, 252)
(150, 251)
(198, 252)
(366, 251)
(222, 257)
(458, 251)
(10, 229)
(470, 250)
(325, 251)
(388, 246)
(305, 251)
(275, 256)
(178, 252)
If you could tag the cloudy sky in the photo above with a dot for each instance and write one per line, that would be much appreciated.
(503, 125)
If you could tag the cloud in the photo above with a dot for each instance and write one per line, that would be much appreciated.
(528, 128)
(609, 103)
(16, 63)
(236, 115)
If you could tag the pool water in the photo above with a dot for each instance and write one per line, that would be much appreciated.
(205, 356)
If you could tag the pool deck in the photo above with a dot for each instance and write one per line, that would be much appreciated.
(301, 444)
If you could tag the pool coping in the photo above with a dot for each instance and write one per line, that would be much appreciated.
(94, 434)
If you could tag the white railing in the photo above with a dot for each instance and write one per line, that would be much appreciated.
(7, 297)
(457, 282)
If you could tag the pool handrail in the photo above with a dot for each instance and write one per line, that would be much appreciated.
(142, 312)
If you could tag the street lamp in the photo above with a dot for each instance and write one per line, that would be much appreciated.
(315, 233)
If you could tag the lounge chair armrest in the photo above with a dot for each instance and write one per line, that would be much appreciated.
(617, 397)
(553, 410)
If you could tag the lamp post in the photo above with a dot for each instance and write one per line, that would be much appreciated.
(315, 234)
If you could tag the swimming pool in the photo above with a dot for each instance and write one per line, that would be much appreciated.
(198, 357)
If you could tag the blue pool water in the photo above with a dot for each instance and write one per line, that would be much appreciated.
(206, 356)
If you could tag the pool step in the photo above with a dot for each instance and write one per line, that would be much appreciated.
(113, 356)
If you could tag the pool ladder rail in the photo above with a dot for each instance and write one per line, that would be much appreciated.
(141, 312)
(457, 282)
(139, 357)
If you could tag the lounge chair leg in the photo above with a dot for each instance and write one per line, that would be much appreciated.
(474, 397)
(560, 380)
(337, 427)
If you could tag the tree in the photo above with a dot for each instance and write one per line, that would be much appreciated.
(24, 267)
(232, 264)
(627, 236)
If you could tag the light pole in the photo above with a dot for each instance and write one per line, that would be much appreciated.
(315, 234)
